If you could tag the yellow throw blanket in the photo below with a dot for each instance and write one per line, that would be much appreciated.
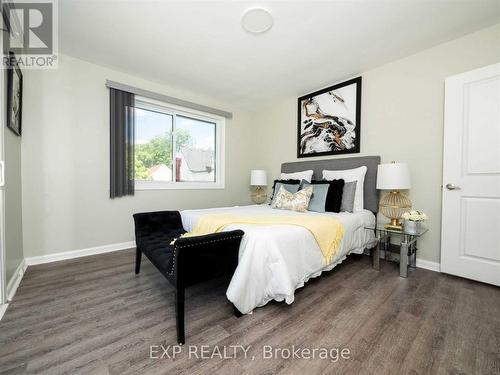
(328, 231)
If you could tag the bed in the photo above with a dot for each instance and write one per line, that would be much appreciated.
(275, 260)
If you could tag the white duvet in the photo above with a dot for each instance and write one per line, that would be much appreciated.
(275, 260)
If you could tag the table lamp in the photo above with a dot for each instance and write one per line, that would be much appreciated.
(258, 178)
(394, 177)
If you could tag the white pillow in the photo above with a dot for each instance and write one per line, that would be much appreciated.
(349, 175)
(304, 175)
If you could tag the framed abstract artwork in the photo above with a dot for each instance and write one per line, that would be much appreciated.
(14, 96)
(329, 120)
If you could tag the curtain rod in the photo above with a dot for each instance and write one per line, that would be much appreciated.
(168, 99)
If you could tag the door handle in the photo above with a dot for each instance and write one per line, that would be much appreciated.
(452, 187)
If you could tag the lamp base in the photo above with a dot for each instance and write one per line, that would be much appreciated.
(259, 196)
(394, 224)
(392, 206)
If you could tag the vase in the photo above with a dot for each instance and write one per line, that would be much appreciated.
(412, 227)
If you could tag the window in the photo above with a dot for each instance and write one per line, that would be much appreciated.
(177, 148)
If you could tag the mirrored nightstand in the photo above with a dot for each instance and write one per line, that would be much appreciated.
(405, 253)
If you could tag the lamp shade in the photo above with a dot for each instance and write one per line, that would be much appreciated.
(393, 176)
(258, 177)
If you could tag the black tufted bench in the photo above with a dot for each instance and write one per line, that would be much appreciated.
(189, 260)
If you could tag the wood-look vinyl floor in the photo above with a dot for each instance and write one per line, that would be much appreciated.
(93, 315)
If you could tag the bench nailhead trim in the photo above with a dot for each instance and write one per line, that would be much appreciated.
(196, 244)
(205, 242)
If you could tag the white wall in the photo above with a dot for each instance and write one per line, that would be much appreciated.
(402, 119)
(65, 152)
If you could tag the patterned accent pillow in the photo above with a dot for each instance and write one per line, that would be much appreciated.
(292, 188)
(288, 182)
(298, 201)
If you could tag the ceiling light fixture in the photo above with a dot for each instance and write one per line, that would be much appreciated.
(257, 20)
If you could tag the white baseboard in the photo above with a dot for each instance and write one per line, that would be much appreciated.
(15, 280)
(428, 265)
(49, 258)
(12, 285)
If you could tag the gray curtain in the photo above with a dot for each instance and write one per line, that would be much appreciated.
(122, 133)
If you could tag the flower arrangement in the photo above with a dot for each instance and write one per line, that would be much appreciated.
(414, 215)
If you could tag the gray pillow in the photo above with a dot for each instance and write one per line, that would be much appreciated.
(318, 198)
(348, 194)
(292, 188)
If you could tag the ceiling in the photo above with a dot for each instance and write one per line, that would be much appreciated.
(200, 45)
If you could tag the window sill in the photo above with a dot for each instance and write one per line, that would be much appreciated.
(146, 185)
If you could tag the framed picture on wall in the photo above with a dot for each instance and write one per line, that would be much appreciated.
(329, 120)
(14, 96)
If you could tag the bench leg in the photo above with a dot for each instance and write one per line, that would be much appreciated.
(179, 315)
(138, 256)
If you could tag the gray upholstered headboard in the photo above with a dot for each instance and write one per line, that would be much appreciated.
(371, 162)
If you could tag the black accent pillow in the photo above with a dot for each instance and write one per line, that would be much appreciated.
(290, 182)
(334, 196)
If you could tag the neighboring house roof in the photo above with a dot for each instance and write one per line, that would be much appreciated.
(160, 172)
(155, 168)
(198, 160)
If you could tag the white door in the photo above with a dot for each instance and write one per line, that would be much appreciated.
(470, 240)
